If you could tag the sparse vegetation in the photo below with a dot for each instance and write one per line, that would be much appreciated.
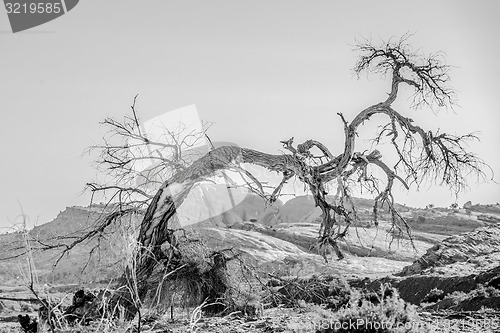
(386, 312)
(421, 155)
(165, 266)
(433, 296)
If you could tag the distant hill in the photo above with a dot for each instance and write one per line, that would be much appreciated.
(64, 229)
(248, 226)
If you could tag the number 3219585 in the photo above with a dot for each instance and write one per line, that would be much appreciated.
(33, 8)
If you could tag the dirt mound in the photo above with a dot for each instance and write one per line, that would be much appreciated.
(413, 289)
(462, 254)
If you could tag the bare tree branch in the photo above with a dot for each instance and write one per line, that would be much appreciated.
(422, 155)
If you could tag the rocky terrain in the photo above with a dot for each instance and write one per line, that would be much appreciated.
(453, 251)
(460, 263)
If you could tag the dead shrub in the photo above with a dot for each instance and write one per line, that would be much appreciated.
(388, 314)
(318, 289)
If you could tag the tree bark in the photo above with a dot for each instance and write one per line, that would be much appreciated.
(421, 155)
(155, 228)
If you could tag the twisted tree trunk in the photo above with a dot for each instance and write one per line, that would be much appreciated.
(420, 155)
(155, 228)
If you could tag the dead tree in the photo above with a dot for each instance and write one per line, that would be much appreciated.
(421, 155)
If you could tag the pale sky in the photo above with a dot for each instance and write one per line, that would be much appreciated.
(261, 71)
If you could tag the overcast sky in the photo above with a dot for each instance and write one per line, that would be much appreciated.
(261, 71)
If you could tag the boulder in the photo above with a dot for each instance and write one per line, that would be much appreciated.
(479, 249)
